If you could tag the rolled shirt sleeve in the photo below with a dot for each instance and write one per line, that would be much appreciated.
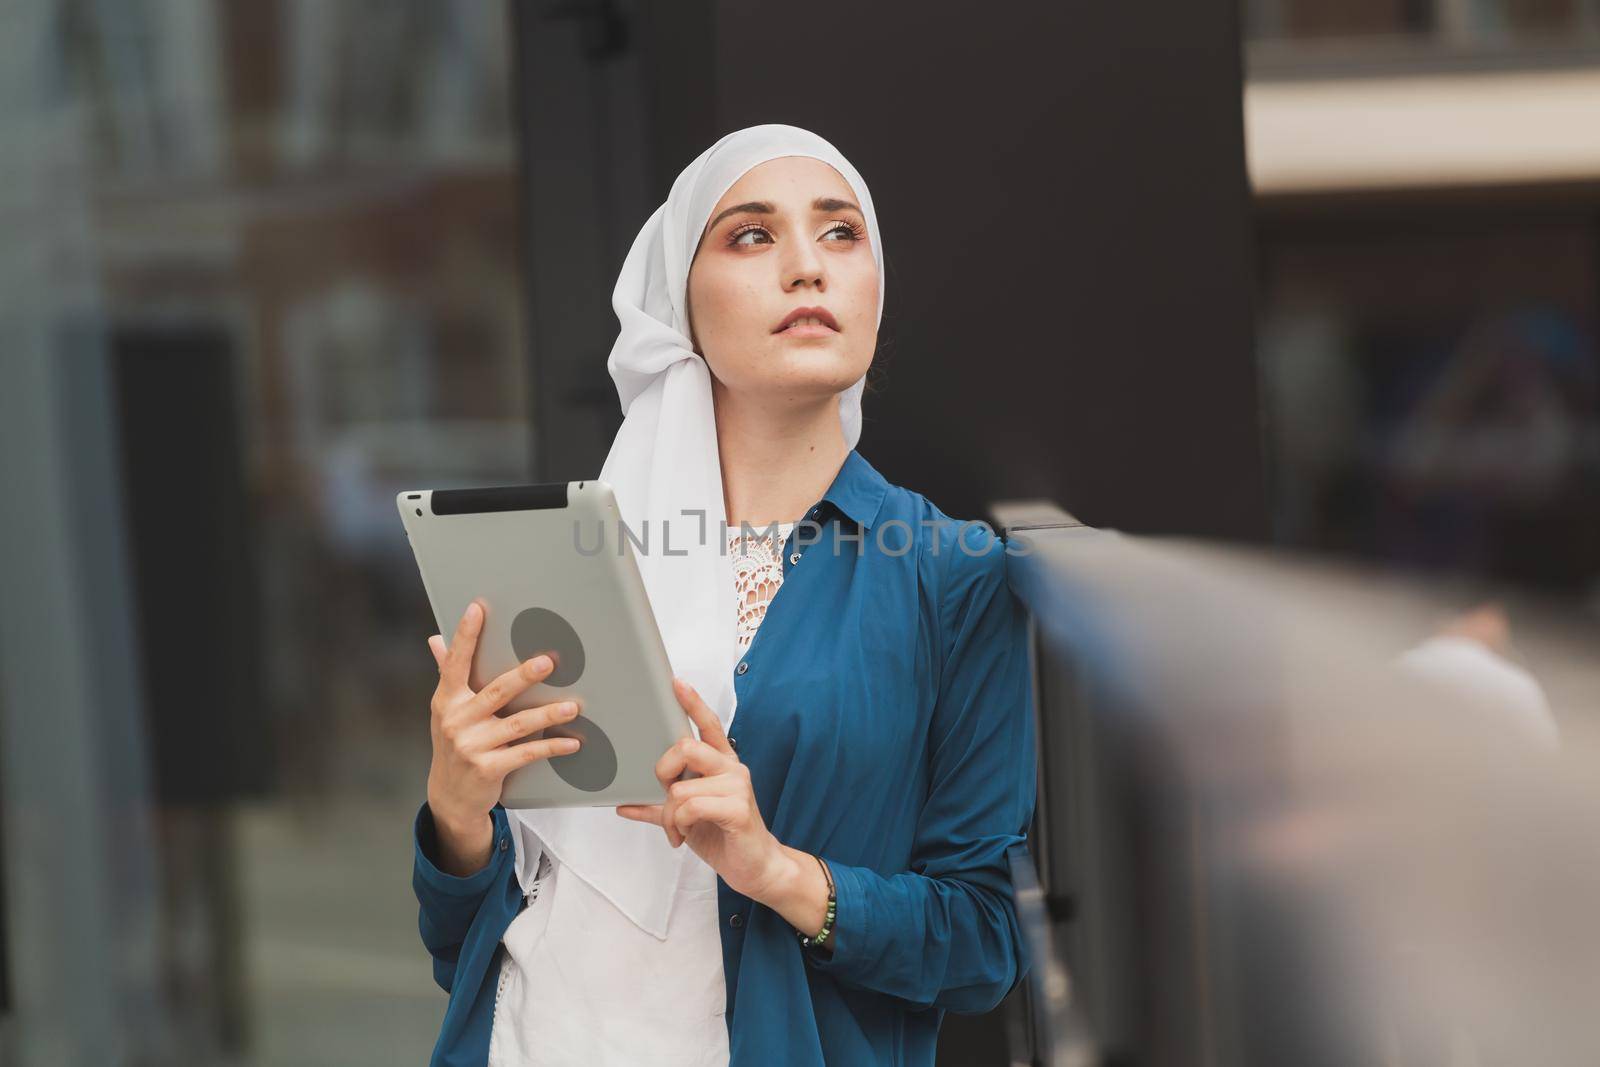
(447, 903)
(945, 933)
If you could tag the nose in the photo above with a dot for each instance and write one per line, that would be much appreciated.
(804, 266)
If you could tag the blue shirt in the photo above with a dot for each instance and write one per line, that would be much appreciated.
(885, 713)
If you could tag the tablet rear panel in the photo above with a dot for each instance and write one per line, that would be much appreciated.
(557, 575)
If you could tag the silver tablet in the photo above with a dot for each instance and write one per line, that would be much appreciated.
(556, 575)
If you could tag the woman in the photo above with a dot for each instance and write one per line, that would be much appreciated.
(845, 881)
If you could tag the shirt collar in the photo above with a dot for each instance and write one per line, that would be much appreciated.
(858, 490)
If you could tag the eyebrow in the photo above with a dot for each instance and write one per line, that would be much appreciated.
(762, 207)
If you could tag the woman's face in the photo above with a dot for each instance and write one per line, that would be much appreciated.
(787, 235)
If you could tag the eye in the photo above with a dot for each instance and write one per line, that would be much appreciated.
(853, 231)
(737, 236)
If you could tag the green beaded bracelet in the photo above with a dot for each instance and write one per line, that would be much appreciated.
(827, 923)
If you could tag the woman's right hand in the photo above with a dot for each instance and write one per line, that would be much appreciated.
(474, 749)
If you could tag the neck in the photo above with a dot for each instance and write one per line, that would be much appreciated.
(776, 463)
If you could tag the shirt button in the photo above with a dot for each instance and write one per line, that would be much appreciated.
(742, 667)
(733, 743)
(736, 920)
(794, 557)
(505, 843)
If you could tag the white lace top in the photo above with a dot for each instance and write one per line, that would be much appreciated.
(757, 573)
(578, 982)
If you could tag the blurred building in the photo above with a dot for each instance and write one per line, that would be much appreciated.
(262, 274)
(1427, 184)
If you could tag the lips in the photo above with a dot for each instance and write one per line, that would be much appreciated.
(819, 314)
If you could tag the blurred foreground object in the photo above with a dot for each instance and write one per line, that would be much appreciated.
(1274, 828)
(1467, 658)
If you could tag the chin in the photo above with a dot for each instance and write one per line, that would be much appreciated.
(815, 363)
(795, 378)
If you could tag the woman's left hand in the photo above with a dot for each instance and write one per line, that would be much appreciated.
(716, 812)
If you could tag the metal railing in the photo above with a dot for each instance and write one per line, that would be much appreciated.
(1050, 1029)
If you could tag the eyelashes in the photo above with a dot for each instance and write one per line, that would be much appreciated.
(856, 230)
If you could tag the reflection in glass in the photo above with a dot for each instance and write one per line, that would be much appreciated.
(276, 243)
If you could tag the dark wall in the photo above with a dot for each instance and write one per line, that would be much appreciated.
(1064, 209)
(1062, 195)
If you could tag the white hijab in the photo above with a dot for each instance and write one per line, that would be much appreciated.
(663, 466)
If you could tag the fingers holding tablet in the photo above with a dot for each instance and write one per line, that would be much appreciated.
(474, 749)
(494, 696)
(457, 660)
(454, 696)
(700, 713)
(513, 728)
